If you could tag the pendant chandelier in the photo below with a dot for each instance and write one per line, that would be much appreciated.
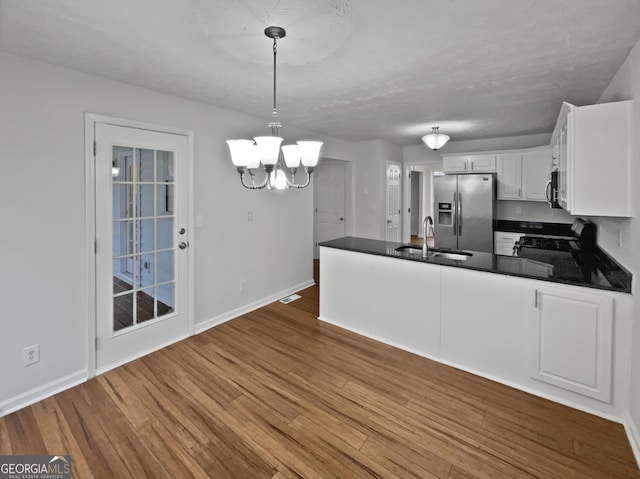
(280, 163)
(435, 140)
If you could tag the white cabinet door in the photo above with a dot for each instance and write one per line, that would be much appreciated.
(345, 299)
(484, 322)
(405, 300)
(454, 164)
(536, 172)
(510, 176)
(571, 335)
(482, 163)
(593, 175)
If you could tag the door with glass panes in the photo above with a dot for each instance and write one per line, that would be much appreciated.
(141, 242)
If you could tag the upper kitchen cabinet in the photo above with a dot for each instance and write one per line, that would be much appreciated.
(536, 172)
(592, 144)
(469, 163)
(524, 174)
(510, 176)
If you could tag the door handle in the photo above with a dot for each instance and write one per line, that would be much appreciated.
(547, 191)
(341, 218)
(459, 214)
(182, 231)
(183, 245)
(455, 214)
(389, 221)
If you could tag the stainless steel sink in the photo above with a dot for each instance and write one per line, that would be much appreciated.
(435, 252)
(411, 249)
(455, 256)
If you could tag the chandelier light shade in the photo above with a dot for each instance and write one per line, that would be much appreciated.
(280, 163)
(435, 140)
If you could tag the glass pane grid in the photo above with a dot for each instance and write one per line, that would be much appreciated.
(143, 253)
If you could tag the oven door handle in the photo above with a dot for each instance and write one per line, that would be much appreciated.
(547, 192)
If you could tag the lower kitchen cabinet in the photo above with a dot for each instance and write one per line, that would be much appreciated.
(346, 289)
(397, 302)
(405, 298)
(571, 338)
(484, 322)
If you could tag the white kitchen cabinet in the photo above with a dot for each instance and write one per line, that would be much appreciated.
(594, 157)
(469, 163)
(454, 164)
(346, 289)
(394, 301)
(405, 301)
(510, 176)
(571, 339)
(504, 242)
(536, 173)
(484, 322)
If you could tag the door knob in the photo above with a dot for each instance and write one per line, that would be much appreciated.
(183, 245)
(341, 218)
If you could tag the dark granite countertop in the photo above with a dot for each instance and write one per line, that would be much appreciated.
(600, 271)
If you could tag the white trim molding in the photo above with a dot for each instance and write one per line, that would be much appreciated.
(42, 392)
(633, 434)
(234, 313)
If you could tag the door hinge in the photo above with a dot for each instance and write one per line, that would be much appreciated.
(97, 343)
(95, 148)
(316, 210)
(95, 246)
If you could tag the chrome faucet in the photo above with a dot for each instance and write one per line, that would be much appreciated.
(427, 227)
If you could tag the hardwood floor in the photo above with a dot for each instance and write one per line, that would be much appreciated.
(278, 394)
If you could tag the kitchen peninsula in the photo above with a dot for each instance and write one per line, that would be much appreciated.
(554, 337)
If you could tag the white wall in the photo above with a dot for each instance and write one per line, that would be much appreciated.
(42, 272)
(625, 85)
(369, 167)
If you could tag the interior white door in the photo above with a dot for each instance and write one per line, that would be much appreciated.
(141, 242)
(393, 203)
(330, 196)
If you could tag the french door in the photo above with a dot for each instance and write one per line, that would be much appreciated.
(141, 242)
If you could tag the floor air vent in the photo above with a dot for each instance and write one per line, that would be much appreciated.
(290, 298)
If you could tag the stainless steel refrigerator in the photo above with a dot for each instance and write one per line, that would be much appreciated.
(464, 207)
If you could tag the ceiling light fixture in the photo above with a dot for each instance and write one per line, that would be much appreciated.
(435, 140)
(247, 155)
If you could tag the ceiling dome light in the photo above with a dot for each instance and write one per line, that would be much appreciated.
(435, 140)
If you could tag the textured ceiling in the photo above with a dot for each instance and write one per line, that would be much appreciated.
(351, 69)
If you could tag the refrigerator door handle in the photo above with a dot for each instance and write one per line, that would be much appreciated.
(455, 214)
(459, 214)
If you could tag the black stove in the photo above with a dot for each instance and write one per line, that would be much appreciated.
(566, 256)
(548, 243)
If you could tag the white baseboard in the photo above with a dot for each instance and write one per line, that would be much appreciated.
(633, 434)
(42, 392)
(234, 313)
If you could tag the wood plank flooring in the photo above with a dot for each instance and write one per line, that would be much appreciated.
(278, 394)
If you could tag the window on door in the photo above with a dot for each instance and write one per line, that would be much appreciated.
(143, 236)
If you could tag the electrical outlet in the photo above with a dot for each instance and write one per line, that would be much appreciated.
(620, 238)
(31, 354)
(243, 285)
(249, 216)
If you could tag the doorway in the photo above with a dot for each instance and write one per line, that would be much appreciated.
(393, 210)
(330, 188)
(141, 184)
(415, 205)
